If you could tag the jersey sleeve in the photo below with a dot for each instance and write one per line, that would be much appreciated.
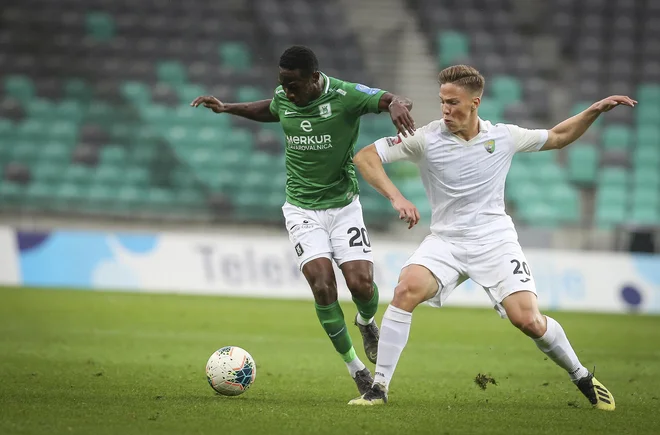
(275, 105)
(393, 149)
(526, 140)
(361, 99)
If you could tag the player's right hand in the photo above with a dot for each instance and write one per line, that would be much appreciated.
(407, 211)
(210, 102)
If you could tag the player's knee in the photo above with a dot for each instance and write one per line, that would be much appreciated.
(360, 284)
(530, 323)
(408, 294)
(324, 290)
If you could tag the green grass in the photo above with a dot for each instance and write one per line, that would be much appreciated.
(117, 363)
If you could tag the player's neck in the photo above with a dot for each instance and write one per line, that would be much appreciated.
(471, 131)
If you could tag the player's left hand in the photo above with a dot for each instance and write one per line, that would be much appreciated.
(610, 103)
(407, 211)
(401, 118)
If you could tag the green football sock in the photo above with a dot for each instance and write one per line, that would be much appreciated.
(332, 319)
(368, 309)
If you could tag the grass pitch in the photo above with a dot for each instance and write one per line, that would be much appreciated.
(115, 363)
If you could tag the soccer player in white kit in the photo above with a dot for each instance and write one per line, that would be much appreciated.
(463, 162)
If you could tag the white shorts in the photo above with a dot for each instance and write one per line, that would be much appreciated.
(500, 268)
(334, 233)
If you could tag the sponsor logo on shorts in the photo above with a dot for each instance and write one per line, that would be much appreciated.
(299, 250)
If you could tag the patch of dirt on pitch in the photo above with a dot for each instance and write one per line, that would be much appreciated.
(482, 381)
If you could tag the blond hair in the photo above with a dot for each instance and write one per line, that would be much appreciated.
(465, 76)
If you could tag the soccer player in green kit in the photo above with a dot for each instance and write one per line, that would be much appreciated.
(320, 116)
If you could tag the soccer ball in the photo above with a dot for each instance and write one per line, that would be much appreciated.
(230, 371)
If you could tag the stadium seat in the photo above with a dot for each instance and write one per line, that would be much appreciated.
(646, 176)
(100, 26)
(648, 93)
(491, 110)
(506, 89)
(187, 92)
(235, 56)
(646, 157)
(645, 195)
(609, 214)
(645, 214)
(172, 73)
(565, 199)
(582, 163)
(11, 193)
(136, 92)
(648, 136)
(616, 137)
(648, 115)
(20, 87)
(613, 176)
(249, 93)
(77, 90)
(452, 46)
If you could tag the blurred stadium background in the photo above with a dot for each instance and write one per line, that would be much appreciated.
(95, 124)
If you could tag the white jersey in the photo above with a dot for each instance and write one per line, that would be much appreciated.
(464, 180)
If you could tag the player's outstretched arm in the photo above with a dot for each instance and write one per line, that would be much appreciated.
(257, 110)
(570, 130)
(399, 108)
(371, 167)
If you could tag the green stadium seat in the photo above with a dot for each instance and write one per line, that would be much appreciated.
(610, 214)
(491, 110)
(100, 113)
(78, 90)
(648, 115)
(41, 109)
(25, 152)
(187, 92)
(136, 176)
(122, 132)
(190, 198)
(613, 176)
(566, 200)
(143, 154)
(136, 92)
(646, 157)
(108, 175)
(539, 213)
(178, 135)
(583, 163)
(62, 131)
(77, 174)
(645, 214)
(100, 197)
(645, 195)
(235, 56)
(6, 129)
(616, 137)
(20, 87)
(160, 198)
(238, 138)
(199, 117)
(646, 176)
(506, 89)
(648, 93)
(46, 172)
(452, 46)
(100, 26)
(172, 73)
(39, 194)
(550, 173)
(55, 153)
(648, 136)
(246, 94)
(11, 194)
(522, 193)
(67, 195)
(69, 110)
(113, 155)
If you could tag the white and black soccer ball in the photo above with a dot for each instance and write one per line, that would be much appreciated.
(230, 371)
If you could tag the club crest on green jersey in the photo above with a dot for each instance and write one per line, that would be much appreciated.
(490, 146)
(325, 110)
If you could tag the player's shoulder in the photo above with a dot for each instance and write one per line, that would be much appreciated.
(279, 92)
(344, 88)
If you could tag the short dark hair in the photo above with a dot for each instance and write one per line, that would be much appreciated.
(299, 57)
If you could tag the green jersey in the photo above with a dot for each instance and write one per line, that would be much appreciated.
(320, 142)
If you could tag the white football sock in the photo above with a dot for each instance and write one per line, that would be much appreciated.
(556, 346)
(362, 321)
(394, 333)
(355, 366)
